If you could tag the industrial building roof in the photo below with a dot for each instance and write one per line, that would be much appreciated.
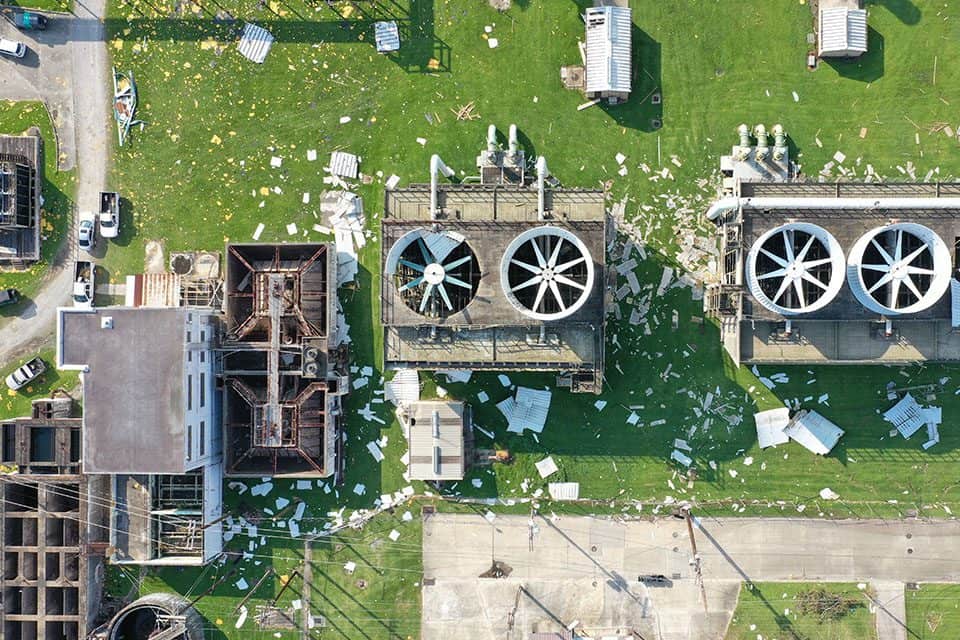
(133, 386)
(21, 182)
(608, 37)
(436, 435)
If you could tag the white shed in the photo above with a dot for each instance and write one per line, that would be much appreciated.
(608, 52)
(843, 32)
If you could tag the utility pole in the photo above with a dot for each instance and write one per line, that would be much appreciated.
(696, 561)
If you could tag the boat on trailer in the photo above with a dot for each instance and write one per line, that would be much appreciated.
(124, 103)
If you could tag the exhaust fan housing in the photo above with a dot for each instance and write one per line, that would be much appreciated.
(547, 273)
(899, 269)
(436, 272)
(795, 268)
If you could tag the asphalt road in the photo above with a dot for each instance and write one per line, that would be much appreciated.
(67, 68)
(458, 548)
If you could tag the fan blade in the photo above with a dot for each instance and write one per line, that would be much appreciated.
(816, 263)
(887, 277)
(529, 283)
(920, 271)
(809, 278)
(913, 256)
(528, 267)
(806, 247)
(798, 285)
(570, 283)
(457, 263)
(412, 284)
(414, 266)
(883, 268)
(913, 287)
(536, 250)
(883, 252)
(567, 265)
(783, 288)
(456, 281)
(556, 294)
(780, 261)
(776, 273)
(898, 252)
(426, 297)
(427, 256)
(894, 294)
(556, 252)
(788, 244)
(443, 294)
(540, 292)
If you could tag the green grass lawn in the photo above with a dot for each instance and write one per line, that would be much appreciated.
(58, 190)
(44, 5)
(769, 611)
(933, 611)
(16, 404)
(199, 174)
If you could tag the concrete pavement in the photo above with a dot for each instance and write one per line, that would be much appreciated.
(67, 68)
(458, 548)
(891, 610)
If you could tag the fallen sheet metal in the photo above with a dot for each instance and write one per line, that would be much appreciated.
(770, 426)
(564, 491)
(255, 43)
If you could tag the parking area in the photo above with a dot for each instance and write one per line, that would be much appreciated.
(45, 73)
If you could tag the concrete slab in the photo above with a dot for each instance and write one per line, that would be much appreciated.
(891, 610)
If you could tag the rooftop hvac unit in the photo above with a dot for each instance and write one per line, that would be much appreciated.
(547, 273)
(899, 269)
(795, 268)
(436, 272)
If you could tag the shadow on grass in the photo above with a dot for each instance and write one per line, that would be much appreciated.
(421, 50)
(866, 68)
(128, 230)
(905, 10)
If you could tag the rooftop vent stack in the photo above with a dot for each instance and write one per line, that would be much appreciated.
(779, 142)
(492, 138)
(542, 173)
(436, 424)
(436, 460)
(436, 167)
(763, 145)
(744, 132)
(513, 141)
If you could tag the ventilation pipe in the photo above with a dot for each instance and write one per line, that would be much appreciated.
(513, 141)
(542, 173)
(436, 168)
(492, 138)
(888, 327)
(744, 150)
(763, 145)
(732, 203)
(788, 327)
(779, 142)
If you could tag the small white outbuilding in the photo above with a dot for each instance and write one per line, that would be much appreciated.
(842, 32)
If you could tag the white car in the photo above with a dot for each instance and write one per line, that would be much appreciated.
(12, 48)
(86, 235)
(23, 375)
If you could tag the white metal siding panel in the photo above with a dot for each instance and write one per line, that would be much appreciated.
(843, 32)
(608, 49)
(255, 43)
(955, 302)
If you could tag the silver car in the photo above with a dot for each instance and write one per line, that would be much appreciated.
(86, 235)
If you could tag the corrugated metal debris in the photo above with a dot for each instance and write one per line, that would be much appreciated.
(255, 43)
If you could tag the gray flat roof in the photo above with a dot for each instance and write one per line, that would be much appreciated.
(133, 405)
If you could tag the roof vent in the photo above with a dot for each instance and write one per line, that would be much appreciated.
(106, 322)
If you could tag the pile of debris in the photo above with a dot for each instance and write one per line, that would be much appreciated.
(526, 410)
(908, 416)
(343, 211)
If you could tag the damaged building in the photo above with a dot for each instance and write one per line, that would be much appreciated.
(149, 386)
(282, 384)
(48, 584)
(501, 271)
(838, 273)
(21, 182)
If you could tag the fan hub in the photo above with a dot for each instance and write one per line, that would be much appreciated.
(434, 273)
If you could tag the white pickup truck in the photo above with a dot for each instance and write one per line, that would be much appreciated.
(23, 375)
(83, 284)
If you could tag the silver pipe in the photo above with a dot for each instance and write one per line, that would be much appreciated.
(436, 167)
(492, 138)
(732, 203)
(542, 173)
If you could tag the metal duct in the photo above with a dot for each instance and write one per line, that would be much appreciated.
(732, 203)
(436, 167)
(492, 138)
(542, 173)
